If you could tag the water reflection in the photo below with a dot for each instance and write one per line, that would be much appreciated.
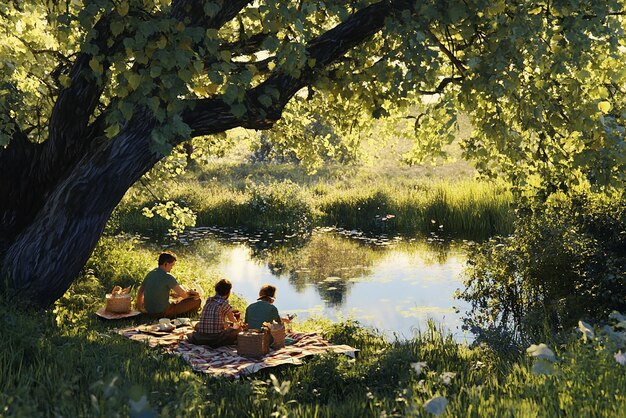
(391, 284)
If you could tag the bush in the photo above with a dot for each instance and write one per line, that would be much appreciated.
(280, 206)
(565, 262)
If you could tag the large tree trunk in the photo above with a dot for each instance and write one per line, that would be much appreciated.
(46, 257)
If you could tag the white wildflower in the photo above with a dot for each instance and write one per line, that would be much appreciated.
(419, 367)
(620, 358)
(446, 377)
(478, 365)
(541, 351)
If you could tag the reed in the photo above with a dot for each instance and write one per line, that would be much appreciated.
(287, 198)
(462, 209)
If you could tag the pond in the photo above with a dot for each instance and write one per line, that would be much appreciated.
(394, 285)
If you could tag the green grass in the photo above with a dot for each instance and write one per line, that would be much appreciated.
(67, 362)
(57, 369)
(461, 209)
(227, 195)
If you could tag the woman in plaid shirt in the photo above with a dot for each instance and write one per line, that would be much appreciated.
(213, 330)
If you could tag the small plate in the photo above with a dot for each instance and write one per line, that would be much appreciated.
(179, 322)
(103, 313)
(165, 328)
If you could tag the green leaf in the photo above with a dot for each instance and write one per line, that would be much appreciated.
(65, 80)
(198, 66)
(155, 71)
(96, 65)
(211, 9)
(122, 8)
(133, 80)
(604, 106)
(225, 55)
(112, 130)
(265, 100)
(117, 27)
(231, 93)
(238, 110)
(541, 351)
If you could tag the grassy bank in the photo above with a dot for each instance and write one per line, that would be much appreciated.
(58, 369)
(287, 198)
(67, 362)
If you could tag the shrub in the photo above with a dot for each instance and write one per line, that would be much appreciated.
(280, 206)
(566, 261)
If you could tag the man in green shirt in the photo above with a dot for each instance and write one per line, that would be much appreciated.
(153, 297)
(263, 310)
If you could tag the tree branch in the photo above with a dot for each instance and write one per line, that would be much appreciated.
(442, 85)
(455, 61)
(213, 115)
(246, 46)
(73, 108)
(194, 11)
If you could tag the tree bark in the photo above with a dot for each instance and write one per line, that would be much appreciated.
(45, 258)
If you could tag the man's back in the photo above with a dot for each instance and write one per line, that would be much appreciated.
(212, 319)
(259, 312)
(156, 287)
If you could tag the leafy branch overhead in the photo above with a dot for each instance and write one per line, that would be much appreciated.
(94, 93)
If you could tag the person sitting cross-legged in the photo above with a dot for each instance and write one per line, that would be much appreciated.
(263, 310)
(153, 297)
(213, 329)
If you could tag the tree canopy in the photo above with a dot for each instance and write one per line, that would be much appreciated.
(94, 92)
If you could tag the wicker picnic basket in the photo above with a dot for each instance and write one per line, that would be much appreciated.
(278, 334)
(118, 303)
(253, 343)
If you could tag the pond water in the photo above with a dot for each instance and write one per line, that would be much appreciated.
(393, 285)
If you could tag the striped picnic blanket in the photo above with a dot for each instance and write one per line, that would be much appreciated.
(224, 361)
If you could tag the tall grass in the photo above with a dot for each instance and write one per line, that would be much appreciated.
(465, 209)
(291, 199)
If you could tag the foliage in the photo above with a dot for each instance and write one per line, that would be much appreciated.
(179, 217)
(283, 206)
(313, 137)
(397, 203)
(541, 82)
(565, 262)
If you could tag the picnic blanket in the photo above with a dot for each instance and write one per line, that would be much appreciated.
(224, 361)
